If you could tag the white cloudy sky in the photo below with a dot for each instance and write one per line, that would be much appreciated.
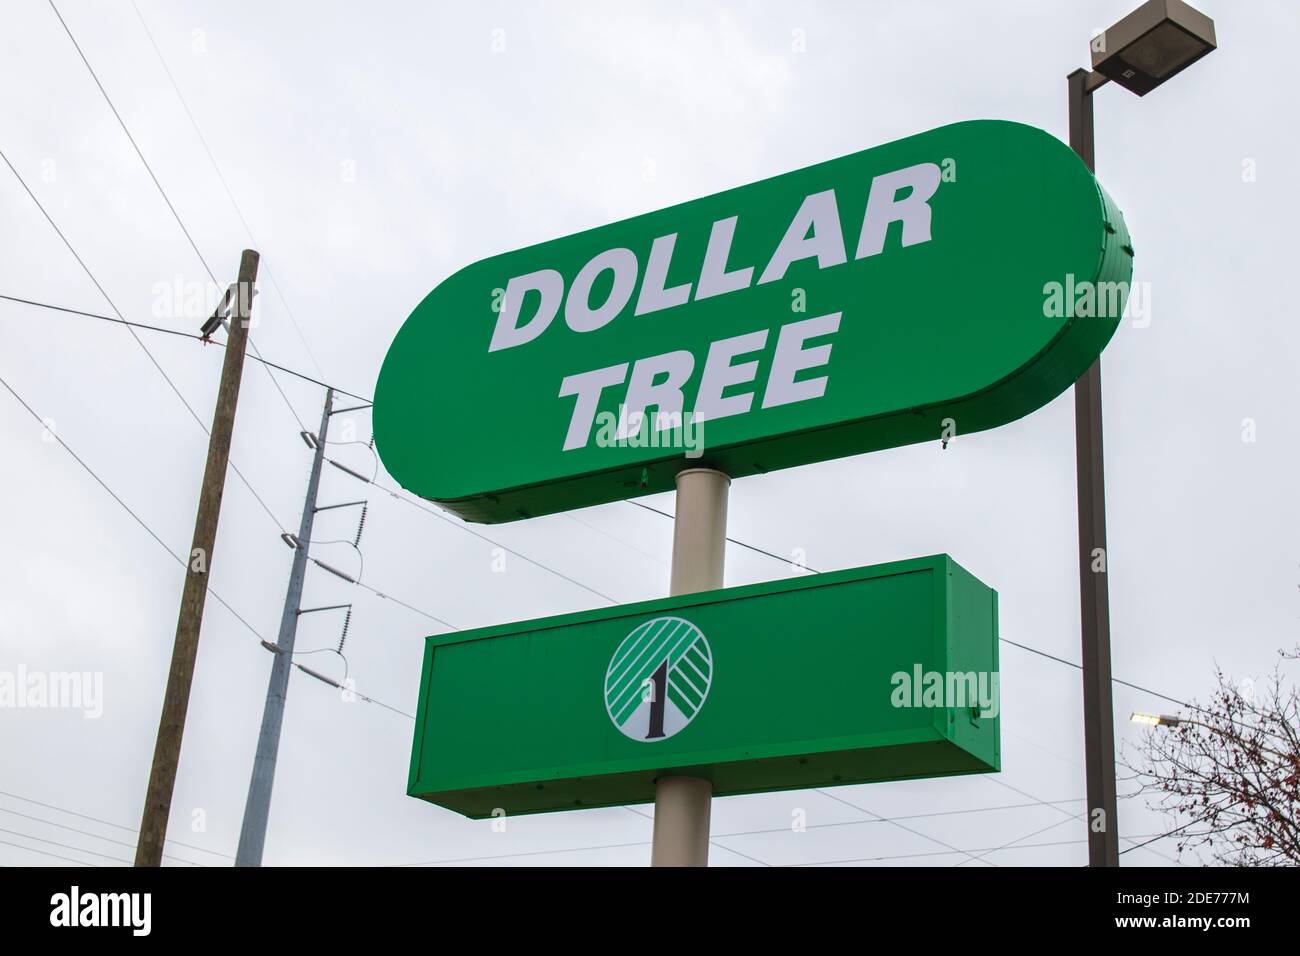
(373, 150)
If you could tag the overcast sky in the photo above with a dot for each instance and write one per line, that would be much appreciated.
(374, 149)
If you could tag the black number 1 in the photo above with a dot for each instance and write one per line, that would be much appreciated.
(660, 679)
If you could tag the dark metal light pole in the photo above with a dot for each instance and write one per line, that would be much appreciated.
(1094, 594)
(1150, 45)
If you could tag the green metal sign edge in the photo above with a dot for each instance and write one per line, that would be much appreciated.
(962, 763)
(934, 562)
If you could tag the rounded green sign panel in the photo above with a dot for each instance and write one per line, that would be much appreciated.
(658, 679)
(956, 279)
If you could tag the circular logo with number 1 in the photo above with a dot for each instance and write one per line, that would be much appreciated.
(658, 679)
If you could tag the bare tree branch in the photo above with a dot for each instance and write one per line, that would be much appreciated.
(1231, 774)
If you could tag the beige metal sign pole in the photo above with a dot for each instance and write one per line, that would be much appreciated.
(681, 831)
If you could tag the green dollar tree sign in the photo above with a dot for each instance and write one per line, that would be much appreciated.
(847, 307)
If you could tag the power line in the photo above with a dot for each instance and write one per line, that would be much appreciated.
(1062, 660)
(143, 524)
(1024, 793)
(217, 169)
(96, 836)
(510, 856)
(184, 335)
(64, 846)
(118, 116)
(912, 856)
(875, 818)
(746, 856)
(909, 816)
(1050, 804)
(735, 541)
(392, 493)
(127, 508)
(1012, 843)
(107, 823)
(634, 843)
(1156, 839)
(932, 839)
(66, 859)
(616, 539)
(108, 318)
(1023, 647)
(468, 530)
(257, 353)
(131, 330)
(387, 597)
(409, 607)
(350, 690)
(162, 192)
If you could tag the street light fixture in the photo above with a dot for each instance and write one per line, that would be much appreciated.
(1153, 43)
(1154, 720)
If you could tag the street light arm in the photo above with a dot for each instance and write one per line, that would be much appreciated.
(1165, 720)
(1092, 80)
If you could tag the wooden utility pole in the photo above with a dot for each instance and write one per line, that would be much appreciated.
(176, 701)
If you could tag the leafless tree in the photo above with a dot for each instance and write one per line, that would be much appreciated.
(1229, 773)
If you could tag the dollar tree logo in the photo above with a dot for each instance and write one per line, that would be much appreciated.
(658, 678)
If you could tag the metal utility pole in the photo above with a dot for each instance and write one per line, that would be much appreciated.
(681, 830)
(257, 809)
(176, 700)
(1154, 43)
(1094, 590)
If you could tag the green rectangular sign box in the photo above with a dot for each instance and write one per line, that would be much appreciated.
(871, 674)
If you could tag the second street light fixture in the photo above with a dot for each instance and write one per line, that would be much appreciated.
(1154, 720)
(1153, 43)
